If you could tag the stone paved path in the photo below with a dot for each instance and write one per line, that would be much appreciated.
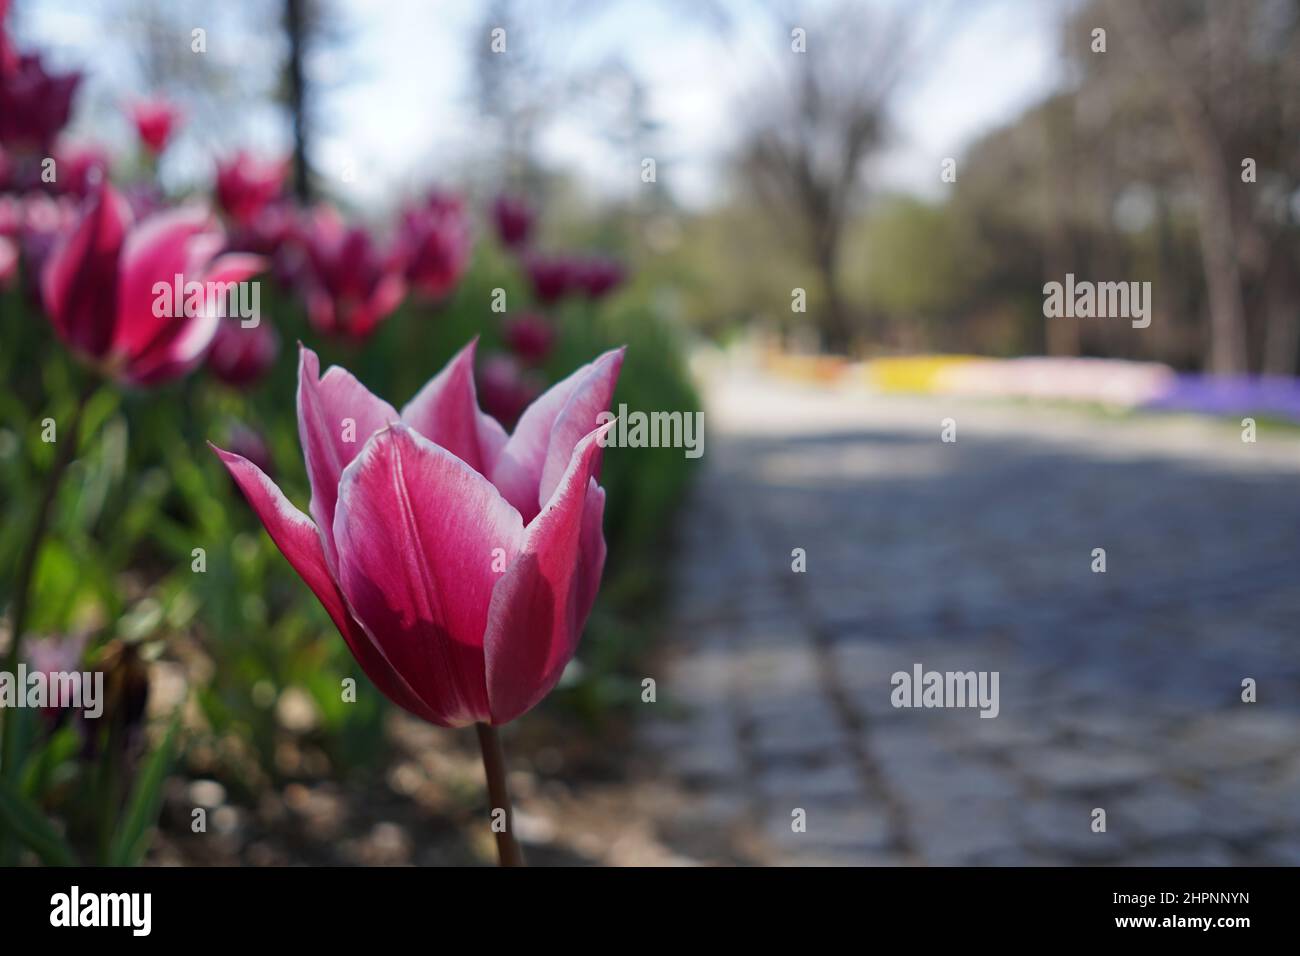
(1119, 690)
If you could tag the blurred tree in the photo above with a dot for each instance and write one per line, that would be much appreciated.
(815, 119)
(1224, 76)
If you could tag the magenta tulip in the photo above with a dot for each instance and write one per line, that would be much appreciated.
(246, 186)
(460, 564)
(155, 121)
(240, 355)
(351, 287)
(434, 242)
(98, 286)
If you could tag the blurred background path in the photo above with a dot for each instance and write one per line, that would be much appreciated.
(1119, 690)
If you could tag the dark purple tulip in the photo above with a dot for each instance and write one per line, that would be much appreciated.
(598, 276)
(552, 277)
(529, 336)
(506, 389)
(513, 218)
(34, 103)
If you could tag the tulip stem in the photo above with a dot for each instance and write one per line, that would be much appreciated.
(26, 570)
(494, 765)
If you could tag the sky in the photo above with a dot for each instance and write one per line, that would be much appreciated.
(399, 111)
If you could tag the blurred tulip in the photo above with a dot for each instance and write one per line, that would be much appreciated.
(57, 654)
(279, 234)
(552, 277)
(155, 121)
(98, 288)
(144, 198)
(245, 186)
(598, 276)
(529, 336)
(81, 169)
(34, 103)
(351, 287)
(434, 241)
(8, 262)
(459, 564)
(241, 355)
(42, 219)
(248, 443)
(507, 388)
(513, 218)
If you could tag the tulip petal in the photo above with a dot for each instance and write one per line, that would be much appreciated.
(80, 280)
(446, 412)
(419, 533)
(181, 346)
(538, 453)
(336, 416)
(161, 248)
(298, 540)
(541, 605)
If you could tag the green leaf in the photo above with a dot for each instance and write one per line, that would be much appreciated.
(25, 820)
(132, 837)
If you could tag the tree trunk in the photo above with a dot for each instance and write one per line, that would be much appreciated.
(1214, 180)
(296, 27)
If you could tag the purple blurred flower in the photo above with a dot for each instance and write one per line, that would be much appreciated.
(513, 218)
(552, 277)
(506, 389)
(241, 356)
(34, 103)
(598, 276)
(530, 336)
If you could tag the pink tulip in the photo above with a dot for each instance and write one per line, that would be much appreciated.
(155, 121)
(513, 218)
(245, 186)
(529, 336)
(98, 288)
(435, 243)
(350, 287)
(241, 356)
(459, 564)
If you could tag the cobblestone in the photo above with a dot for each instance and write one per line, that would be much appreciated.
(1119, 690)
